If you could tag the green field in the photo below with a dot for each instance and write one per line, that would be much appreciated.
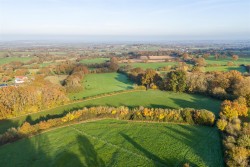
(222, 61)
(226, 68)
(151, 65)
(117, 143)
(95, 84)
(95, 60)
(151, 98)
(11, 59)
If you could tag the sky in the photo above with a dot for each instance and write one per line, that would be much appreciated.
(130, 19)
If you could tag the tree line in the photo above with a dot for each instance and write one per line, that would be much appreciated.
(221, 85)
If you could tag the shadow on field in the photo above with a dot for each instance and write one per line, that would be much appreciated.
(50, 116)
(6, 124)
(88, 151)
(123, 78)
(37, 151)
(157, 160)
(190, 140)
(199, 103)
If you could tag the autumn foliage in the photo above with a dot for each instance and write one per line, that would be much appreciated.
(188, 115)
(32, 97)
(236, 135)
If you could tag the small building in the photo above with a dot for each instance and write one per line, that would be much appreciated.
(20, 79)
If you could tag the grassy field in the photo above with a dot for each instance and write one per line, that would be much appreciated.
(11, 59)
(153, 99)
(117, 143)
(151, 65)
(221, 61)
(226, 68)
(95, 60)
(95, 84)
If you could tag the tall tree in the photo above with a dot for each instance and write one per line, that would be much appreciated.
(176, 81)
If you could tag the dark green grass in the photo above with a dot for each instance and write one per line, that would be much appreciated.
(154, 99)
(95, 84)
(117, 143)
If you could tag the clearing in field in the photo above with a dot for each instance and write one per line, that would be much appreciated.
(95, 84)
(117, 143)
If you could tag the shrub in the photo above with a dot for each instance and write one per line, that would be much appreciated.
(26, 129)
(244, 141)
(221, 124)
(204, 117)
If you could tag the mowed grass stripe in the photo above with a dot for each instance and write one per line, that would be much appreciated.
(164, 143)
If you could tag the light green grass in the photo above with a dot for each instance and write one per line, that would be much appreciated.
(11, 59)
(151, 98)
(95, 84)
(222, 61)
(151, 65)
(226, 68)
(117, 143)
(95, 60)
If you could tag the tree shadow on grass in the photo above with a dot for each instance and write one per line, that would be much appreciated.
(157, 160)
(123, 78)
(196, 144)
(6, 124)
(198, 103)
(88, 151)
(50, 116)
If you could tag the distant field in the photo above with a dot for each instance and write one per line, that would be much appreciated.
(95, 60)
(226, 68)
(95, 84)
(221, 61)
(151, 65)
(11, 59)
(151, 98)
(118, 143)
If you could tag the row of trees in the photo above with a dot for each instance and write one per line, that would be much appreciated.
(222, 85)
(73, 83)
(235, 133)
(191, 116)
(31, 97)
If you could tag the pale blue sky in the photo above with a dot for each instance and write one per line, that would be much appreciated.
(201, 19)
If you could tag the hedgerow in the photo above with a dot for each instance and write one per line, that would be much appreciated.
(187, 115)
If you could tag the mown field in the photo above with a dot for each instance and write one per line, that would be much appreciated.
(151, 98)
(117, 143)
(95, 84)
(11, 59)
